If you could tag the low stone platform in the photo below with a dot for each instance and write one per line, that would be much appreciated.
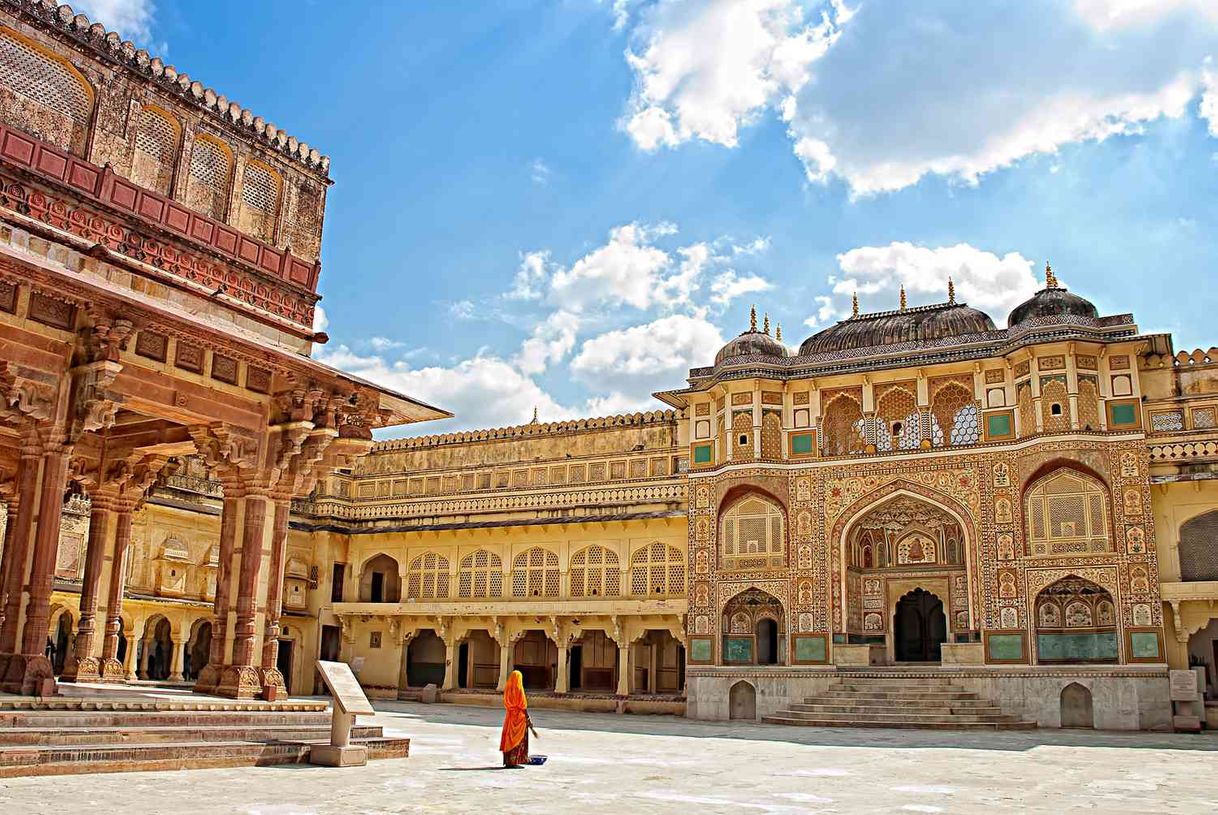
(898, 702)
(137, 729)
(548, 700)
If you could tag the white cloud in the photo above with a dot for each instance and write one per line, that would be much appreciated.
(729, 285)
(320, 321)
(889, 92)
(638, 359)
(130, 18)
(626, 270)
(462, 309)
(1208, 109)
(540, 172)
(552, 339)
(533, 272)
(984, 280)
(484, 391)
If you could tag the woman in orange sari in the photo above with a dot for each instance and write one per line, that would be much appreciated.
(514, 741)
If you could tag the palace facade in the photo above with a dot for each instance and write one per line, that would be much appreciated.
(1030, 509)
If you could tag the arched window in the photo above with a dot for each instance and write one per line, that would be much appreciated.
(657, 570)
(260, 187)
(752, 535)
(157, 136)
(842, 426)
(1199, 548)
(1054, 404)
(379, 582)
(1075, 622)
(210, 173)
(954, 418)
(1088, 403)
(535, 573)
(480, 575)
(1027, 413)
(595, 573)
(43, 94)
(898, 425)
(427, 577)
(1067, 513)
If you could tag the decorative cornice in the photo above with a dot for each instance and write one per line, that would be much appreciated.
(109, 46)
(530, 430)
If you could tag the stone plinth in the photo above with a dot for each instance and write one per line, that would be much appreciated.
(327, 755)
(962, 653)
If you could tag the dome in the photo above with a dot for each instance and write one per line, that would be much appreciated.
(917, 324)
(1052, 301)
(754, 343)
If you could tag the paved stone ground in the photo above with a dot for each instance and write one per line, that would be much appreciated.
(626, 764)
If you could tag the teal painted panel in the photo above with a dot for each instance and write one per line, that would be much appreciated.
(1124, 415)
(1093, 647)
(1144, 644)
(702, 454)
(701, 650)
(801, 443)
(1006, 646)
(810, 649)
(738, 649)
(999, 425)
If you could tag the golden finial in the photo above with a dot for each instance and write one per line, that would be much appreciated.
(753, 319)
(766, 327)
(951, 290)
(854, 305)
(903, 301)
(1050, 278)
(778, 333)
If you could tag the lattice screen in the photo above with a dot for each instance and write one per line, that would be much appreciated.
(842, 427)
(45, 81)
(1027, 413)
(899, 426)
(156, 150)
(1068, 513)
(480, 575)
(208, 177)
(1088, 403)
(535, 573)
(595, 572)
(427, 577)
(260, 195)
(752, 536)
(1073, 603)
(954, 418)
(1053, 397)
(657, 570)
(1199, 548)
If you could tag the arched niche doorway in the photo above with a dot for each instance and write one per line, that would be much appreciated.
(1076, 706)
(61, 641)
(379, 581)
(754, 629)
(425, 657)
(919, 627)
(156, 649)
(198, 649)
(742, 701)
(1076, 622)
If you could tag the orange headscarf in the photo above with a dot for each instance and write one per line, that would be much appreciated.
(515, 723)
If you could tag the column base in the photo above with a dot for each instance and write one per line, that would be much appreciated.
(113, 671)
(27, 675)
(176, 678)
(87, 669)
(208, 679)
(273, 686)
(239, 682)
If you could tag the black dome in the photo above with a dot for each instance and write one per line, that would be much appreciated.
(1052, 301)
(918, 324)
(749, 343)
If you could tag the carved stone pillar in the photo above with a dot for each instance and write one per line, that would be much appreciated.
(239, 679)
(505, 662)
(209, 675)
(450, 664)
(562, 683)
(623, 669)
(83, 665)
(273, 686)
(112, 670)
(17, 544)
(145, 658)
(175, 660)
(129, 660)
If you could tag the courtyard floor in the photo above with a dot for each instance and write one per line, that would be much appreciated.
(625, 764)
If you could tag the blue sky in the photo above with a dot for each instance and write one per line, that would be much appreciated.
(569, 203)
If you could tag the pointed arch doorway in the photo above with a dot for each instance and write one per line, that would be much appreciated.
(919, 627)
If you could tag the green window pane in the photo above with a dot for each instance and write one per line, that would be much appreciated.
(810, 649)
(1144, 644)
(801, 443)
(700, 650)
(999, 425)
(702, 454)
(1123, 415)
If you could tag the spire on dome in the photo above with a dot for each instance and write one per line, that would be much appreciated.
(534, 415)
(854, 305)
(766, 327)
(951, 290)
(778, 333)
(1050, 278)
(904, 303)
(753, 319)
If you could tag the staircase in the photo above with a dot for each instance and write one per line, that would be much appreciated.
(63, 736)
(898, 701)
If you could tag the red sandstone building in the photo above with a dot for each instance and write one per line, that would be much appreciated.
(159, 261)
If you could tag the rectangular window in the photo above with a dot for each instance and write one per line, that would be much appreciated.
(336, 584)
(999, 425)
(1122, 414)
(802, 444)
(703, 454)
